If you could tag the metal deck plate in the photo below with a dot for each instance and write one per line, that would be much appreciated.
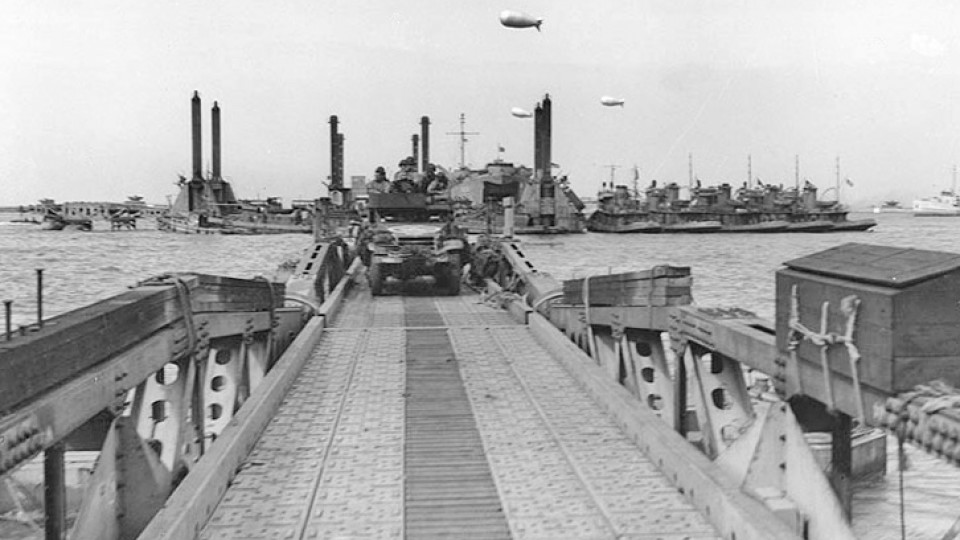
(449, 491)
(331, 462)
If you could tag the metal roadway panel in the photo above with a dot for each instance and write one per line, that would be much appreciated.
(358, 448)
(448, 489)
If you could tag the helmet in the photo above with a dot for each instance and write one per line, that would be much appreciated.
(380, 170)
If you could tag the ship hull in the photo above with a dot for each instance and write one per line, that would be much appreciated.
(621, 223)
(811, 226)
(935, 212)
(641, 227)
(854, 226)
(947, 204)
(694, 227)
(186, 225)
(762, 227)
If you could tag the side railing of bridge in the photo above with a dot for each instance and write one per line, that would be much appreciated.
(733, 385)
(151, 379)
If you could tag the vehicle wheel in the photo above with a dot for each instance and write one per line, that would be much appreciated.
(375, 278)
(453, 274)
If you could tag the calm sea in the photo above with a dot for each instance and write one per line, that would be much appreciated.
(729, 271)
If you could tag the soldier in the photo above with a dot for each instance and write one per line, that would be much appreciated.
(439, 183)
(405, 181)
(429, 175)
(379, 184)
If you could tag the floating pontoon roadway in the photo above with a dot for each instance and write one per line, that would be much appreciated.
(440, 417)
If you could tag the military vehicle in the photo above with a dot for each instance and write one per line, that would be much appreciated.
(410, 235)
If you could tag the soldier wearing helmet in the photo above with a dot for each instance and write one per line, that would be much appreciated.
(379, 184)
(405, 181)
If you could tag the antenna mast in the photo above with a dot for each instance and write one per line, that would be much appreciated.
(612, 169)
(796, 173)
(463, 138)
(838, 178)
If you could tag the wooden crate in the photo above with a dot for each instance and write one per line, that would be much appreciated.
(659, 286)
(907, 326)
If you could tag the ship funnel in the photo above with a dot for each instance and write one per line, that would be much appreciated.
(215, 139)
(546, 138)
(425, 141)
(336, 155)
(538, 140)
(197, 147)
(416, 152)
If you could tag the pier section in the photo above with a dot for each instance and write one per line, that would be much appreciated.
(430, 417)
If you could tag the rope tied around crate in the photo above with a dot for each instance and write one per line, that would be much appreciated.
(849, 305)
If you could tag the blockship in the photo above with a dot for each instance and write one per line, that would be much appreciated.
(543, 204)
(608, 406)
(761, 209)
(208, 205)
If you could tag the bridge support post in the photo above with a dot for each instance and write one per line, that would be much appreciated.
(680, 392)
(40, 297)
(841, 462)
(645, 360)
(723, 404)
(8, 309)
(508, 217)
(54, 492)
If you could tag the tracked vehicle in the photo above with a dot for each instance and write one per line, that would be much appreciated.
(410, 235)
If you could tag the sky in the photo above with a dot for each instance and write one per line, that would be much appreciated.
(95, 94)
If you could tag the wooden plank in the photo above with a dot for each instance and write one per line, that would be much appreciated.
(641, 317)
(631, 287)
(71, 343)
(734, 333)
(219, 293)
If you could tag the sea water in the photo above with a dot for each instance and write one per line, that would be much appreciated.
(730, 270)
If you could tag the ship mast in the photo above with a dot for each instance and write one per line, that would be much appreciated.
(749, 171)
(612, 169)
(838, 178)
(463, 138)
(796, 174)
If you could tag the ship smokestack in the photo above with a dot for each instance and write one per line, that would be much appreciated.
(336, 158)
(340, 138)
(425, 141)
(538, 140)
(197, 147)
(215, 139)
(547, 137)
(416, 153)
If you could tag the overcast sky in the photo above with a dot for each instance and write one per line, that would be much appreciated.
(95, 95)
